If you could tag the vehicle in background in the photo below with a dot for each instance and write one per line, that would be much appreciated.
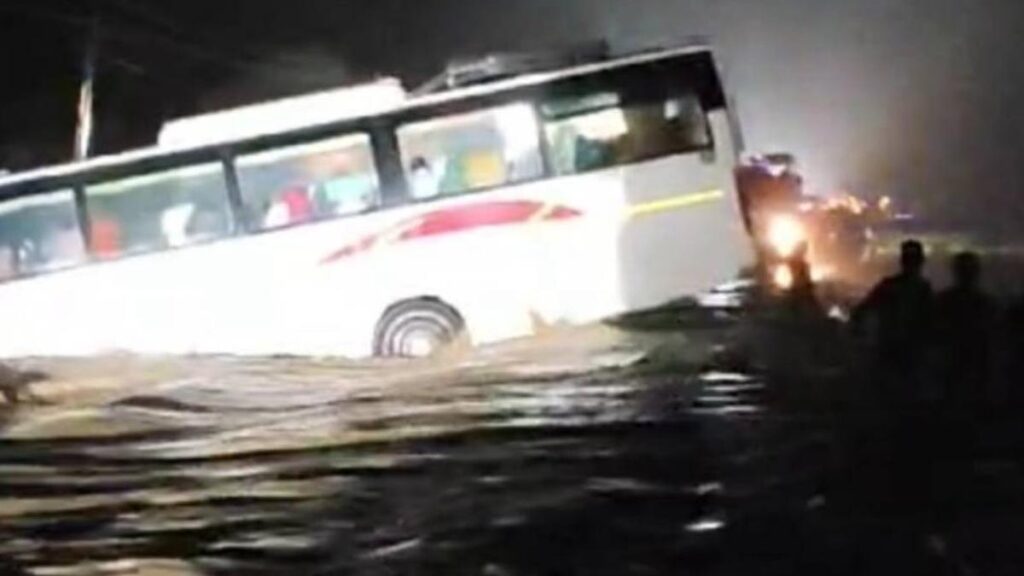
(833, 234)
(772, 192)
(554, 195)
(841, 227)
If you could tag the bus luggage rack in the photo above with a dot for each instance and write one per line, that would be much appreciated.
(500, 66)
(494, 67)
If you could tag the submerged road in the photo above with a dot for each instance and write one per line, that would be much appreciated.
(676, 450)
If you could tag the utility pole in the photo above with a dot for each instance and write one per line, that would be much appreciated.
(87, 92)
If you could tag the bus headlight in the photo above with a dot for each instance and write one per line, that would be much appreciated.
(786, 234)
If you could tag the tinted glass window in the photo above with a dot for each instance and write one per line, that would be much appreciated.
(461, 153)
(163, 210)
(621, 119)
(289, 186)
(39, 233)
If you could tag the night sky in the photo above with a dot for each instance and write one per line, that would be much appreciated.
(922, 99)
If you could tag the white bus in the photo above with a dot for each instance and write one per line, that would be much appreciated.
(554, 197)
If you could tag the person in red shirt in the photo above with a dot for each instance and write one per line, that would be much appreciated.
(300, 209)
(105, 237)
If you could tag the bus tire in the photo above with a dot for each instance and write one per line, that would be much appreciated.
(417, 329)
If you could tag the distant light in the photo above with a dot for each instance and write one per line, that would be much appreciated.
(838, 314)
(856, 205)
(807, 206)
(705, 525)
(710, 488)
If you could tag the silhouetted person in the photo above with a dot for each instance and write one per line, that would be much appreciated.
(1013, 348)
(964, 323)
(901, 307)
(802, 297)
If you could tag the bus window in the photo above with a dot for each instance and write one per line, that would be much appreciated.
(157, 211)
(466, 152)
(606, 129)
(289, 186)
(39, 233)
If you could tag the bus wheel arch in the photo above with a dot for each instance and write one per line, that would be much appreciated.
(418, 328)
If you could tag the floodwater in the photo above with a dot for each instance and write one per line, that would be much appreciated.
(674, 451)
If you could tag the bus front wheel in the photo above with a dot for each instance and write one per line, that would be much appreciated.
(417, 329)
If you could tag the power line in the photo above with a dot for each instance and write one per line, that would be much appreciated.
(35, 12)
(172, 35)
(133, 8)
(161, 41)
(173, 31)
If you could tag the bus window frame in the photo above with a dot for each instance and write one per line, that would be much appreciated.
(249, 228)
(387, 155)
(710, 97)
(177, 160)
(44, 191)
(614, 81)
(234, 226)
(544, 173)
(84, 220)
(239, 224)
(527, 95)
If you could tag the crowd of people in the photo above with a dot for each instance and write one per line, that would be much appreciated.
(930, 346)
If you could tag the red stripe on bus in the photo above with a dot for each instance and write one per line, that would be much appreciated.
(457, 220)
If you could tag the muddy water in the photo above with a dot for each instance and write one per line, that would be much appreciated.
(585, 455)
(499, 465)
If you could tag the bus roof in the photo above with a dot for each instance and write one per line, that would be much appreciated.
(278, 116)
(531, 79)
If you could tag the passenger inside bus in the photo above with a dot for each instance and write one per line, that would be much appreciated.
(305, 188)
(662, 128)
(293, 206)
(473, 170)
(105, 236)
(607, 129)
(9, 242)
(423, 181)
(592, 154)
(346, 194)
(174, 224)
(339, 183)
(486, 168)
(469, 152)
(208, 222)
(8, 262)
(62, 246)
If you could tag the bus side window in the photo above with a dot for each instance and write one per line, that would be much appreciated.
(162, 210)
(472, 151)
(288, 186)
(605, 129)
(39, 233)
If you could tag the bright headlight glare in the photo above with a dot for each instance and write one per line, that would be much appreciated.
(785, 235)
(782, 276)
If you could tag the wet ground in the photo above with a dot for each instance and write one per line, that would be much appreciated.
(681, 446)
